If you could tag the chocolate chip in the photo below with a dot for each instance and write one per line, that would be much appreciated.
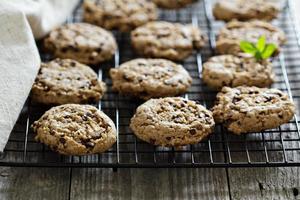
(52, 132)
(89, 144)
(84, 118)
(152, 141)
(141, 64)
(64, 49)
(99, 49)
(168, 138)
(268, 98)
(193, 131)
(126, 77)
(62, 140)
(88, 10)
(236, 99)
(72, 63)
(46, 89)
(91, 58)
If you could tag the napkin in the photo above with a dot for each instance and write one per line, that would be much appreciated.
(21, 21)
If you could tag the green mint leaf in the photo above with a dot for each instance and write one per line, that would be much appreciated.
(268, 51)
(248, 47)
(258, 56)
(261, 43)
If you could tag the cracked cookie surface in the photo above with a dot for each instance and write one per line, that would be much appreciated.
(172, 4)
(229, 37)
(73, 129)
(233, 71)
(123, 15)
(150, 78)
(172, 121)
(244, 10)
(83, 42)
(251, 109)
(62, 81)
(162, 39)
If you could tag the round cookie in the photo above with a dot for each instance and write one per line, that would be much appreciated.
(172, 41)
(172, 121)
(150, 78)
(244, 10)
(229, 38)
(63, 81)
(251, 109)
(123, 15)
(172, 4)
(73, 129)
(233, 71)
(83, 42)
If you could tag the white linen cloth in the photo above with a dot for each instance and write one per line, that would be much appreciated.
(20, 22)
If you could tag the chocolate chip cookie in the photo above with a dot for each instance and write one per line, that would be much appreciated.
(62, 81)
(251, 109)
(244, 10)
(229, 38)
(161, 39)
(150, 78)
(123, 15)
(172, 121)
(172, 4)
(83, 42)
(73, 129)
(233, 71)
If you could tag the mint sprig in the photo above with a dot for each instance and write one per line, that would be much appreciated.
(261, 50)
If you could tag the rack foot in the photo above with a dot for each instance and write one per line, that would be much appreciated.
(115, 169)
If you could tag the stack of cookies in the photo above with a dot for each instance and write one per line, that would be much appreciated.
(245, 104)
(165, 119)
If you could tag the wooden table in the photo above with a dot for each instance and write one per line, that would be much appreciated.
(235, 183)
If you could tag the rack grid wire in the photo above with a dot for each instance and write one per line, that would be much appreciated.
(275, 147)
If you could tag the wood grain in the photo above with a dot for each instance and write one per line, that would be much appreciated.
(34, 183)
(265, 183)
(149, 184)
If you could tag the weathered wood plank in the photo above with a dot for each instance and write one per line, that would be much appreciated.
(265, 183)
(149, 184)
(34, 183)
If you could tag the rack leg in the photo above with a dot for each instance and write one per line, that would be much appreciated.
(115, 169)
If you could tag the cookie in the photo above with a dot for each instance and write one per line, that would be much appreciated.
(172, 121)
(123, 15)
(150, 78)
(244, 10)
(172, 4)
(233, 71)
(63, 81)
(73, 129)
(172, 41)
(251, 109)
(229, 38)
(83, 42)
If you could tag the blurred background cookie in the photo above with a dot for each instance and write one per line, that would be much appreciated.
(83, 42)
(244, 10)
(229, 37)
(162, 39)
(172, 4)
(233, 71)
(123, 15)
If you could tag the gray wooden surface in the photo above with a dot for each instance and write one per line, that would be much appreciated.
(244, 183)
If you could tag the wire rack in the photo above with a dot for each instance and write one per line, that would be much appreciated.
(275, 147)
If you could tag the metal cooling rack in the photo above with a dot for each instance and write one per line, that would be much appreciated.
(276, 147)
